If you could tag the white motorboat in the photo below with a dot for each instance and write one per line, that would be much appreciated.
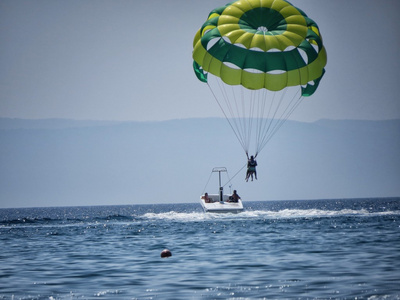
(220, 203)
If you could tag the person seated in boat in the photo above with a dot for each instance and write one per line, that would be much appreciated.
(206, 198)
(235, 197)
(251, 168)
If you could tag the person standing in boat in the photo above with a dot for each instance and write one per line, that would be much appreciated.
(235, 197)
(251, 168)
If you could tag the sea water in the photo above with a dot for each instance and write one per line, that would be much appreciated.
(320, 249)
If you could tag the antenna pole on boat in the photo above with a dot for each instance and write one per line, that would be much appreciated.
(221, 189)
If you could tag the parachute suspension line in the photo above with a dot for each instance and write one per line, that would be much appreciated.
(284, 116)
(272, 121)
(226, 117)
(262, 109)
(258, 120)
(207, 183)
(240, 113)
(246, 120)
(248, 115)
(233, 106)
(262, 118)
(230, 179)
(254, 103)
(290, 107)
(238, 116)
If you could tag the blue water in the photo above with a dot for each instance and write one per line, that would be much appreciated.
(340, 249)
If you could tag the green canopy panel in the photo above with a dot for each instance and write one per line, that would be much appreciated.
(260, 44)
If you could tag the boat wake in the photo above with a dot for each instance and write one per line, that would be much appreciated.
(190, 214)
(264, 214)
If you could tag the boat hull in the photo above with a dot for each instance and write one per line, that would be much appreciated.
(225, 206)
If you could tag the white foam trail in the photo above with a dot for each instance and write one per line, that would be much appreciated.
(177, 216)
(267, 214)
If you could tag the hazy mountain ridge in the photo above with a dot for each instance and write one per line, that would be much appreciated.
(15, 123)
(67, 162)
(55, 123)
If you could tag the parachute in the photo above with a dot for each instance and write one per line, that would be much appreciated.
(260, 58)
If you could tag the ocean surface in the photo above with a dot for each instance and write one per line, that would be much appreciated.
(319, 249)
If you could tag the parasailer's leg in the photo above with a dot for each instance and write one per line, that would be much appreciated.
(248, 175)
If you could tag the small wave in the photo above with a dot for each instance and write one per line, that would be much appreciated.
(305, 213)
(116, 217)
(50, 221)
(30, 221)
(313, 213)
(178, 216)
(106, 293)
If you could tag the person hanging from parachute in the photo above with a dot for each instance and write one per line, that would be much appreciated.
(259, 58)
(251, 168)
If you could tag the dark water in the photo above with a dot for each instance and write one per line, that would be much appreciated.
(325, 249)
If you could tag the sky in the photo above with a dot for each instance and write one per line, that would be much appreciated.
(131, 60)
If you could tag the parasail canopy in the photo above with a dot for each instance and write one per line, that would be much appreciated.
(266, 46)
